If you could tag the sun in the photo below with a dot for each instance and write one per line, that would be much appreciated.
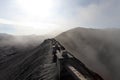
(38, 8)
(37, 16)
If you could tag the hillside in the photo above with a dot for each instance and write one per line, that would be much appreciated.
(98, 49)
(10, 44)
(35, 64)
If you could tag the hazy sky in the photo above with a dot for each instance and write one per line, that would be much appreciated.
(52, 16)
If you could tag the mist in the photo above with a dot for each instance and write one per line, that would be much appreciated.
(11, 44)
(99, 49)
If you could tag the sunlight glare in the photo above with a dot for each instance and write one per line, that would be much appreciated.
(37, 8)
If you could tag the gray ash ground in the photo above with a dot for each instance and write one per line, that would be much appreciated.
(32, 64)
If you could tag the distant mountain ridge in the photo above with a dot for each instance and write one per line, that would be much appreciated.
(10, 44)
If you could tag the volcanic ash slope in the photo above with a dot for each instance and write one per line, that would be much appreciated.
(98, 49)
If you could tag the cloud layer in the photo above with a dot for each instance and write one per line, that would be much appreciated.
(65, 15)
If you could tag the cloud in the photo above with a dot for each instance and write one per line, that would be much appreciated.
(5, 28)
(33, 27)
(93, 14)
(66, 15)
(104, 14)
(4, 21)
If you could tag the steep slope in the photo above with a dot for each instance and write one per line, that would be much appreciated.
(35, 64)
(98, 49)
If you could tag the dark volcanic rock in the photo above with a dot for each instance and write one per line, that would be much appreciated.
(31, 65)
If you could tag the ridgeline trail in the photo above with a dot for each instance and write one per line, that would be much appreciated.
(48, 61)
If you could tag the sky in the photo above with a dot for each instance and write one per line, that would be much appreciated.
(25, 17)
